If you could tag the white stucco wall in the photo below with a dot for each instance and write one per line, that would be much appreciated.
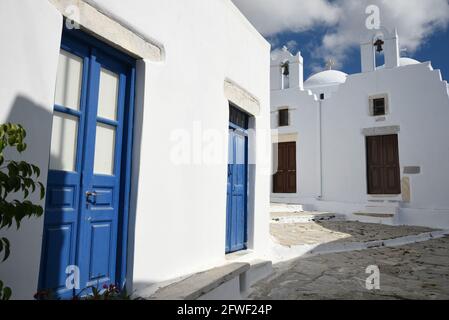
(28, 60)
(179, 209)
(303, 128)
(327, 90)
(418, 104)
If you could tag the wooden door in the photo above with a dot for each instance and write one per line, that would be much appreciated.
(383, 165)
(284, 181)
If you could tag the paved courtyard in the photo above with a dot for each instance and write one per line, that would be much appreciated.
(294, 234)
(416, 271)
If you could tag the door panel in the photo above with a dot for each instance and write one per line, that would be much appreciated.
(237, 191)
(279, 182)
(284, 181)
(84, 185)
(61, 226)
(101, 174)
(101, 235)
(383, 165)
(375, 165)
(59, 250)
(229, 197)
(291, 183)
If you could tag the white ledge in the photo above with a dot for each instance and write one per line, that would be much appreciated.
(109, 30)
(241, 98)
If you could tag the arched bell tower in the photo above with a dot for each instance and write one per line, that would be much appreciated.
(380, 40)
(287, 71)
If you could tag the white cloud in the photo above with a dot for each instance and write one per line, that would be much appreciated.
(416, 20)
(273, 16)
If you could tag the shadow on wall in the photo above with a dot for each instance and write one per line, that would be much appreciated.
(21, 270)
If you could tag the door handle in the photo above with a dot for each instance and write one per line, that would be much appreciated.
(91, 197)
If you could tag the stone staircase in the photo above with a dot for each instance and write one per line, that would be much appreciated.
(286, 208)
(380, 212)
(288, 213)
(376, 211)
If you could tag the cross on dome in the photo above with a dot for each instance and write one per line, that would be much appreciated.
(330, 64)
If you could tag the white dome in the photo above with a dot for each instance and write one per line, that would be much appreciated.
(326, 78)
(407, 62)
(404, 62)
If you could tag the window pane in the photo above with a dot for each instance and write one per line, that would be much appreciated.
(104, 150)
(63, 142)
(240, 147)
(379, 102)
(379, 107)
(231, 147)
(238, 118)
(108, 95)
(68, 81)
(283, 118)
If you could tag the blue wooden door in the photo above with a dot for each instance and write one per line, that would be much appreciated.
(237, 187)
(85, 183)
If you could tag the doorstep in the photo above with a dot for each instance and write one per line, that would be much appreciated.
(203, 283)
(231, 281)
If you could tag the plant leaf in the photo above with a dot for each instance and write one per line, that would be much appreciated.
(42, 190)
(7, 293)
(6, 248)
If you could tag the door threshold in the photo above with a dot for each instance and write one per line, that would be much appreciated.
(238, 254)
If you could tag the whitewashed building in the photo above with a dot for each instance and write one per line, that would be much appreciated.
(132, 119)
(372, 145)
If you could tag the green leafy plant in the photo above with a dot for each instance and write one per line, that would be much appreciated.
(91, 293)
(17, 179)
(110, 292)
(5, 292)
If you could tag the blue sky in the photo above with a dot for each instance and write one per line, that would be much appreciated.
(435, 49)
(323, 29)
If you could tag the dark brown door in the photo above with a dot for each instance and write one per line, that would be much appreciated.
(383, 165)
(284, 181)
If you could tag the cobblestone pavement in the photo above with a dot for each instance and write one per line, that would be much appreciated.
(417, 271)
(338, 231)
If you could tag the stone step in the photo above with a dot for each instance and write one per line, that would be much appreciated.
(382, 209)
(281, 207)
(378, 218)
(305, 217)
(259, 270)
(221, 282)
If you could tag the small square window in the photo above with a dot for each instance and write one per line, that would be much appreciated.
(283, 118)
(379, 108)
(379, 105)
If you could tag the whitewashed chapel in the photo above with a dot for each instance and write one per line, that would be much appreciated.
(104, 97)
(129, 104)
(372, 145)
